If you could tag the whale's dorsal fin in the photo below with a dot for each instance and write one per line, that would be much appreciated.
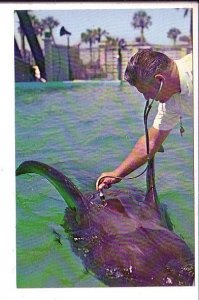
(72, 196)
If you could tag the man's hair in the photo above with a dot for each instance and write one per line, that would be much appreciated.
(145, 64)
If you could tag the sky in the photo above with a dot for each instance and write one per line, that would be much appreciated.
(117, 21)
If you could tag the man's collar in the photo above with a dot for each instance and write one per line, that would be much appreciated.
(182, 76)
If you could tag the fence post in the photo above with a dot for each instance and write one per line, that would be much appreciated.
(48, 58)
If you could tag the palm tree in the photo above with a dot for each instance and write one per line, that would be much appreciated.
(50, 23)
(37, 25)
(89, 37)
(173, 34)
(111, 41)
(141, 20)
(99, 33)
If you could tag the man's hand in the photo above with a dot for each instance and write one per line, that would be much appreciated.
(106, 180)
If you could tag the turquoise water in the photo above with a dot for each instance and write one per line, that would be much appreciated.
(83, 129)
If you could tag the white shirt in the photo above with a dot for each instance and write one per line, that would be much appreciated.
(169, 113)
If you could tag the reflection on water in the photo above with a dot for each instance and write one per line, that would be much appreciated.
(84, 129)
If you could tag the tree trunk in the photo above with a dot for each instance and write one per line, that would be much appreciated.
(142, 35)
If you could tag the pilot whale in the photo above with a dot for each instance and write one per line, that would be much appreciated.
(126, 240)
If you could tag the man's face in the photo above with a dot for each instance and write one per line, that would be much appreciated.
(151, 90)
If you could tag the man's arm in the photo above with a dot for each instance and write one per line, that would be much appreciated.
(135, 159)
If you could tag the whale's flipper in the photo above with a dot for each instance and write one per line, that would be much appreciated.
(72, 196)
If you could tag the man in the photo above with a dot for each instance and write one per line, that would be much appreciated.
(168, 81)
(36, 75)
